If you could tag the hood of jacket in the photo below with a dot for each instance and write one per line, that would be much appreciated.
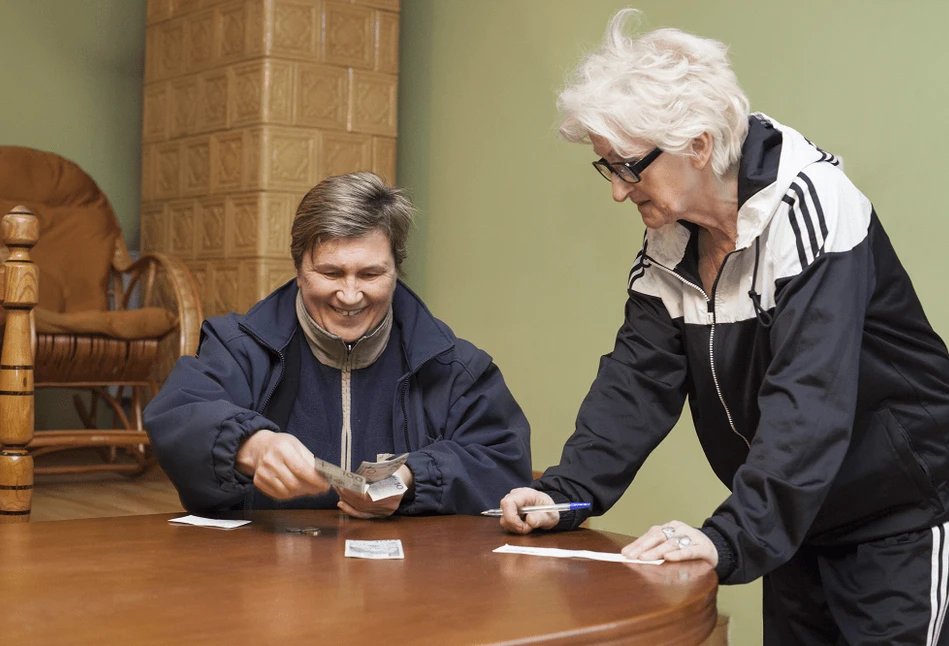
(772, 155)
(273, 322)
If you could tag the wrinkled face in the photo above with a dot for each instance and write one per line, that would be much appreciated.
(666, 189)
(348, 283)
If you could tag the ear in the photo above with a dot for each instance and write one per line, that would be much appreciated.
(702, 147)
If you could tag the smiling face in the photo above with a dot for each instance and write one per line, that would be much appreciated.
(348, 283)
(667, 187)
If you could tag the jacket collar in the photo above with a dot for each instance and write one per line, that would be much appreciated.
(772, 155)
(330, 350)
(273, 322)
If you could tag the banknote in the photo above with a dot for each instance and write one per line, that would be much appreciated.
(339, 477)
(386, 549)
(386, 488)
(375, 471)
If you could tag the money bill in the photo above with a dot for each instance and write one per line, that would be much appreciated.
(386, 549)
(386, 488)
(339, 477)
(375, 471)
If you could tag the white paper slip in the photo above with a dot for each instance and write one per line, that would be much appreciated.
(387, 549)
(198, 521)
(571, 554)
(391, 486)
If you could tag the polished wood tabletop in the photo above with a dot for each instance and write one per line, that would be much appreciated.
(142, 580)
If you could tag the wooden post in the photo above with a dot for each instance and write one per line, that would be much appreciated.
(20, 231)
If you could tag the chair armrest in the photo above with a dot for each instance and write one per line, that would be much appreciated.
(163, 278)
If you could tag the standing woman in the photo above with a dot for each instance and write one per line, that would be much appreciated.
(768, 294)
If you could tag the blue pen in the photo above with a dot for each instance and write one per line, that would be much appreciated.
(564, 506)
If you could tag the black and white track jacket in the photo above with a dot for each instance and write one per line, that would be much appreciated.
(818, 389)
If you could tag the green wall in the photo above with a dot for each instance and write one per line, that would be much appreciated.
(71, 74)
(520, 247)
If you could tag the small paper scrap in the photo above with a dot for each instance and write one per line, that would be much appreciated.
(198, 521)
(571, 554)
(387, 549)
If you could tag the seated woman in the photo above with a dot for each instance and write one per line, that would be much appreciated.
(344, 364)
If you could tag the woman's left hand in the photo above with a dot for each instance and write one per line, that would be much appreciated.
(673, 541)
(362, 506)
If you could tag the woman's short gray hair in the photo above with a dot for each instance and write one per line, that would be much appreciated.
(351, 206)
(665, 87)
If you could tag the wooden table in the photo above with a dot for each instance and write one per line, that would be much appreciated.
(141, 580)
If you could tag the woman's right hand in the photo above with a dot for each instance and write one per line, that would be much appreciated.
(281, 466)
(523, 497)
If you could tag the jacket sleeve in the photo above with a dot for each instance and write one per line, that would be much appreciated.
(484, 449)
(634, 402)
(807, 403)
(198, 420)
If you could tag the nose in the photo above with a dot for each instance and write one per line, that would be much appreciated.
(621, 189)
(350, 292)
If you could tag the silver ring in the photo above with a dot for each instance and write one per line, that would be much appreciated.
(683, 541)
(669, 532)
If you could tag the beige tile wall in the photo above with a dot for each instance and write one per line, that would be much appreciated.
(248, 104)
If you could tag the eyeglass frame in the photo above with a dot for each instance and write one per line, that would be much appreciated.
(634, 168)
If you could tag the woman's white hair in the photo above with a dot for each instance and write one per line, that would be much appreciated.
(665, 87)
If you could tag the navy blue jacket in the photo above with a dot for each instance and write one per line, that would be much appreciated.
(467, 438)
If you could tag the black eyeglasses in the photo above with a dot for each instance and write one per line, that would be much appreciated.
(630, 171)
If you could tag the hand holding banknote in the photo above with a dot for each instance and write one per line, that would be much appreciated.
(281, 466)
(392, 489)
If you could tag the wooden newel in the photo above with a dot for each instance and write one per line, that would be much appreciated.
(19, 230)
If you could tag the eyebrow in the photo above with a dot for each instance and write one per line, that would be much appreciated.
(330, 266)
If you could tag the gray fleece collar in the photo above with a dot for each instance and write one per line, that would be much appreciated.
(332, 351)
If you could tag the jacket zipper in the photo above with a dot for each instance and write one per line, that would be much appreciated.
(263, 407)
(405, 384)
(346, 400)
(710, 304)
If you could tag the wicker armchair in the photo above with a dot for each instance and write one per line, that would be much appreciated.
(103, 325)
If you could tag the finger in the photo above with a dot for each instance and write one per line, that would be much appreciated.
(647, 541)
(304, 469)
(364, 504)
(542, 519)
(310, 477)
(673, 550)
(270, 486)
(661, 551)
(513, 523)
(274, 467)
(281, 473)
(635, 548)
(684, 554)
(351, 497)
(352, 511)
(309, 484)
(701, 551)
(305, 454)
(510, 519)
